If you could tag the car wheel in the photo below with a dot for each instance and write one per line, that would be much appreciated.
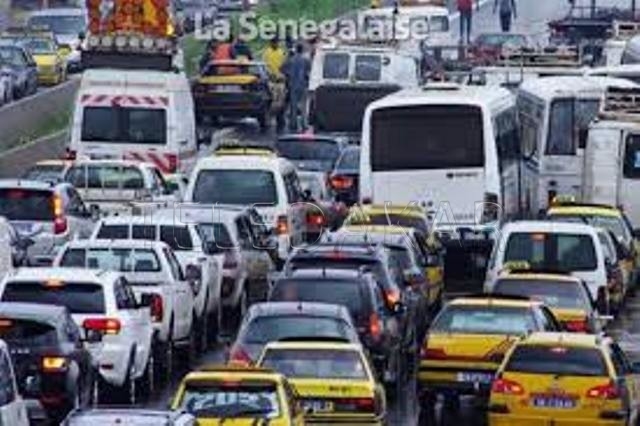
(147, 381)
(128, 390)
(203, 334)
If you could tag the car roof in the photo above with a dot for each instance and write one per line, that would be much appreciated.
(112, 162)
(199, 214)
(50, 314)
(548, 227)
(494, 301)
(74, 275)
(362, 235)
(269, 309)
(326, 273)
(584, 210)
(59, 11)
(124, 413)
(27, 184)
(550, 87)
(570, 339)
(225, 372)
(116, 243)
(52, 162)
(245, 162)
(336, 346)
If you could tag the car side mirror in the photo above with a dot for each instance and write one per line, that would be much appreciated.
(82, 35)
(211, 248)
(307, 195)
(432, 260)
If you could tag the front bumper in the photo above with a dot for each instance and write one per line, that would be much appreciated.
(112, 360)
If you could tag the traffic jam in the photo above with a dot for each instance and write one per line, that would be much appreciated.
(380, 230)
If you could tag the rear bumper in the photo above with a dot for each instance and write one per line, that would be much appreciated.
(522, 420)
(240, 105)
(445, 381)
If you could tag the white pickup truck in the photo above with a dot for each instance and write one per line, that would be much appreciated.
(202, 269)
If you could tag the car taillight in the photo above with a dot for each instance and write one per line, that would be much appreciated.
(282, 225)
(429, 353)
(239, 356)
(355, 405)
(103, 325)
(507, 387)
(59, 225)
(392, 297)
(157, 308)
(315, 219)
(605, 391)
(491, 209)
(341, 182)
(375, 326)
(53, 364)
(173, 162)
(577, 326)
(230, 261)
(59, 221)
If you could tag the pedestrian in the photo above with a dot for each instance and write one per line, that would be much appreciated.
(507, 10)
(296, 70)
(241, 49)
(465, 7)
(274, 57)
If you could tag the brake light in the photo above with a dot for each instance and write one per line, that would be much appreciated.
(239, 356)
(282, 225)
(375, 326)
(606, 391)
(230, 261)
(315, 219)
(103, 325)
(360, 405)
(392, 297)
(429, 353)
(59, 225)
(507, 387)
(59, 221)
(577, 326)
(53, 364)
(6, 323)
(173, 162)
(156, 308)
(341, 182)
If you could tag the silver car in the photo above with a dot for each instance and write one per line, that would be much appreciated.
(130, 417)
(48, 215)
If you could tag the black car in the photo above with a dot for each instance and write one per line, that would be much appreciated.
(23, 69)
(273, 322)
(378, 327)
(53, 368)
(345, 177)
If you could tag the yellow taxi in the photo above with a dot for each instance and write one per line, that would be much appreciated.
(607, 217)
(568, 297)
(468, 340)
(410, 216)
(334, 382)
(51, 60)
(565, 379)
(238, 395)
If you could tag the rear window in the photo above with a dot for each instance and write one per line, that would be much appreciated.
(351, 294)
(105, 177)
(553, 294)
(559, 361)
(263, 330)
(27, 332)
(113, 232)
(484, 320)
(336, 66)
(121, 260)
(316, 363)
(403, 221)
(368, 68)
(85, 298)
(26, 204)
(124, 125)
(570, 252)
(176, 237)
(231, 399)
(235, 187)
(321, 155)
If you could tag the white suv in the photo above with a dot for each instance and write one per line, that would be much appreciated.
(202, 271)
(99, 302)
(254, 177)
(157, 280)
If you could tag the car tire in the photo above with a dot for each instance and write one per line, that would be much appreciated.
(164, 358)
(147, 382)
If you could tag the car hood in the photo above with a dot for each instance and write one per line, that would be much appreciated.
(45, 59)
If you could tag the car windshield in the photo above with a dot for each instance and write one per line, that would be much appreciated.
(40, 45)
(117, 124)
(215, 232)
(105, 177)
(231, 400)
(316, 363)
(263, 330)
(316, 155)
(235, 187)
(611, 223)
(336, 292)
(570, 252)
(564, 295)
(557, 360)
(12, 56)
(484, 320)
(24, 332)
(112, 259)
(79, 298)
(18, 204)
(44, 173)
(59, 24)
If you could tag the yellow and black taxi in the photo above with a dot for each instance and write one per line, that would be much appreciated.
(403, 216)
(565, 379)
(333, 381)
(51, 60)
(468, 340)
(233, 89)
(567, 296)
(607, 217)
(238, 395)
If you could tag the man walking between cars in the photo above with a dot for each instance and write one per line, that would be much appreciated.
(296, 69)
(465, 7)
(507, 12)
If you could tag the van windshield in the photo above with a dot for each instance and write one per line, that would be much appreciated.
(570, 252)
(426, 137)
(124, 125)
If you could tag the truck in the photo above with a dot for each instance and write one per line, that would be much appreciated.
(134, 101)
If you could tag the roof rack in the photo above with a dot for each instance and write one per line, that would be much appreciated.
(550, 56)
(624, 30)
(621, 103)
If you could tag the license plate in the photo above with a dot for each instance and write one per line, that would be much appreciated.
(559, 402)
(474, 377)
(317, 406)
(228, 89)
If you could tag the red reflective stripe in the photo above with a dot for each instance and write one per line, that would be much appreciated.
(149, 100)
(164, 100)
(155, 159)
(100, 98)
(134, 100)
(85, 98)
(136, 157)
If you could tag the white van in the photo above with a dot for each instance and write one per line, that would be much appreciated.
(554, 115)
(140, 115)
(546, 245)
(13, 411)
(448, 148)
(612, 157)
(614, 47)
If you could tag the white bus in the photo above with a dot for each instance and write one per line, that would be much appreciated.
(451, 149)
(554, 115)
